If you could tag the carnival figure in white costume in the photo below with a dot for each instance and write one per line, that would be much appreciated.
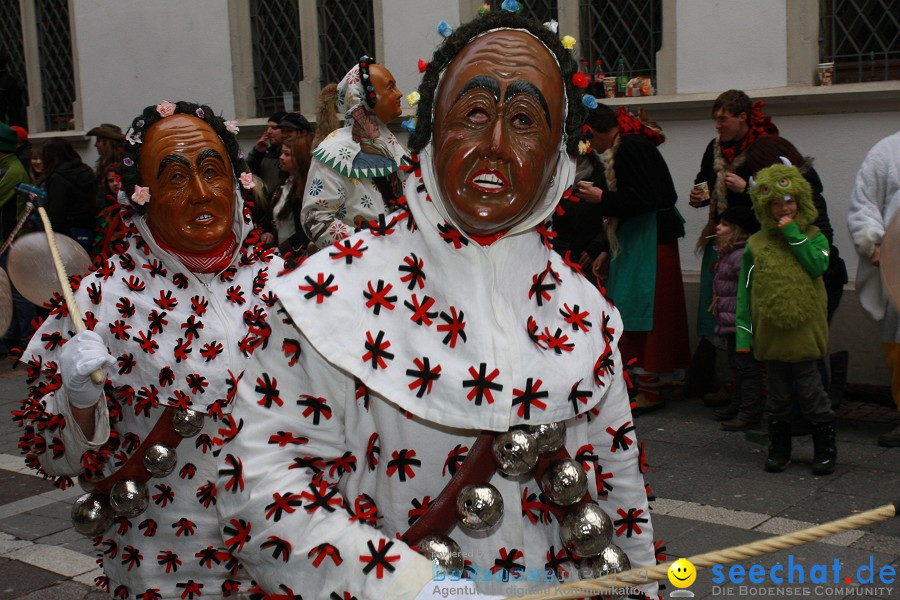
(353, 181)
(441, 408)
(874, 203)
(172, 317)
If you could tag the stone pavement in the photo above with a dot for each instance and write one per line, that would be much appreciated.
(711, 493)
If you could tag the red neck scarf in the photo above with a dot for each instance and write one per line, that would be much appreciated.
(208, 262)
(760, 124)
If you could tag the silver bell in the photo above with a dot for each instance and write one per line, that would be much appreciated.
(612, 560)
(515, 452)
(479, 506)
(443, 552)
(92, 515)
(586, 531)
(564, 481)
(187, 423)
(549, 437)
(160, 460)
(129, 498)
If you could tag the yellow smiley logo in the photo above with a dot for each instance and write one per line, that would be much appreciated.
(682, 573)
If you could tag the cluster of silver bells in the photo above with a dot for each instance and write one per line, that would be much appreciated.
(586, 530)
(93, 513)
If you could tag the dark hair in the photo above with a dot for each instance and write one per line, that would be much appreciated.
(768, 150)
(55, 152)
(734, 102)
(131, 159)
(461, 37)
(602, 118)
(301, 154)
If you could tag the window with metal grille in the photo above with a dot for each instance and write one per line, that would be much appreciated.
(277, 56)
(55, 55)
(540, 10)
(13, 84)
(631, 29)
(346, 32)
(861, 38)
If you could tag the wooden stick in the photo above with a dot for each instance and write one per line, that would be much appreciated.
(97, 376)
(12, 234)
(639, 575)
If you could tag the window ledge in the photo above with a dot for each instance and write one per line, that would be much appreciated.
(876, 96)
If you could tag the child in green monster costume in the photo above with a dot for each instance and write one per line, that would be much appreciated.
(781, 311)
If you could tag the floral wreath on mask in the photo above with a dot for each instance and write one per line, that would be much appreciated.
(137, 195)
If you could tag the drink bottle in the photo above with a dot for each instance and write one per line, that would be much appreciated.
(597, 78)
(621, 78)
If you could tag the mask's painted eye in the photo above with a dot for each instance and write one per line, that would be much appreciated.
(784, 182)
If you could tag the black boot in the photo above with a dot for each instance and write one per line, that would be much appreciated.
(824, 448)
(838, 365)
(779, 446)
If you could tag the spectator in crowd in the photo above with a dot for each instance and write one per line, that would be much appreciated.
(769, 150)
(282, 223)
(36, 165)
(739, 123)
(263, 158)
(108, 145)
(579, 226)
(12, 173)
(636, 194)
(294, 124)
(354, 180)
(782, 312)
(745, 409)
(417, 341)
(71, 192)
(873, 206)
(172, 317)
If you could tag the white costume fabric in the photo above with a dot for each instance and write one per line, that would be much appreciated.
(179, 339)
(399, 346)
(874, 202)
(340, 194)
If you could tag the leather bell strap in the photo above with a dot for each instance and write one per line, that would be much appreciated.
(162, 433)
(440, 516)
(478, 467)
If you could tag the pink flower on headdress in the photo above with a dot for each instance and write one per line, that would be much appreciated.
(165, 109)
(141, 195)
(133, 137)
(232, 126)
(247, 181)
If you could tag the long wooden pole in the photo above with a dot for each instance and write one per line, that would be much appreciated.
(97, 376)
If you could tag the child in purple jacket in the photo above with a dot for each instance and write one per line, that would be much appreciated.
(744, 411)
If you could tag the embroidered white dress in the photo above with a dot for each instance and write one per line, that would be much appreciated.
(179, 339)
(340, 194)
(395, 349)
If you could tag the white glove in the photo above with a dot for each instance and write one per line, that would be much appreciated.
(446, 588)
(79, 357)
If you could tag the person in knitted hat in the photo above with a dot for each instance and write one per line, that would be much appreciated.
(12, 173)
(736, 224)
(781, 312)
(408, 353)
(354, 180)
